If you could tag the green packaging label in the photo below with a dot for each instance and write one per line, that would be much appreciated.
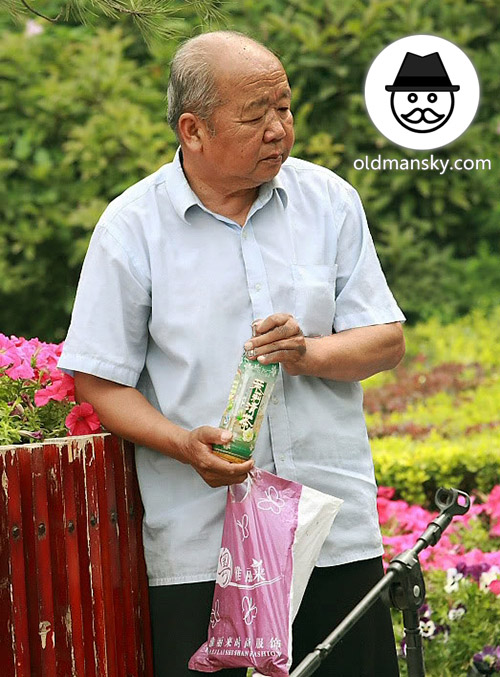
(247, 421)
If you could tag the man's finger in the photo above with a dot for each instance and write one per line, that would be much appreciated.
(281, 356)
(218, 472)
(294, 343)
(272, 321)
(281, 333)
(214, 463)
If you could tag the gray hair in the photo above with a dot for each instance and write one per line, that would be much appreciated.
(192, 85)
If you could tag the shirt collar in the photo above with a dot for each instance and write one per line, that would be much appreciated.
(183, 197)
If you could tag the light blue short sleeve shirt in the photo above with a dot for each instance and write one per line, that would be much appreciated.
(166, 297)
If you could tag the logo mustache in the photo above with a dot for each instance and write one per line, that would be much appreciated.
(426, 114)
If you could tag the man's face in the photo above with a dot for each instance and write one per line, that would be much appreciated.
(253, 128)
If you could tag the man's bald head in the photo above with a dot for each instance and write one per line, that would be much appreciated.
(197, 66)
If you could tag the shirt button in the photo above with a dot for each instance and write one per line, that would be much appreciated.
(244, 235)
(282, 458)
(274, 399)
(258, 286)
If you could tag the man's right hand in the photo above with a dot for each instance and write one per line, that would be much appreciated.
(214, 470)
(145, 425)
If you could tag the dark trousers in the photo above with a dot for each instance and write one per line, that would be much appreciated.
(180, 615)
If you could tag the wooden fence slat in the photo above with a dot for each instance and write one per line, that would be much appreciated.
(44, 569)
(72, 554)
(73, 582)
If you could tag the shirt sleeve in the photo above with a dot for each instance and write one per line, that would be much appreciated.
(363, 296)
(108, 334)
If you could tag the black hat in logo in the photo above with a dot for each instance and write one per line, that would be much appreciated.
(422, 74)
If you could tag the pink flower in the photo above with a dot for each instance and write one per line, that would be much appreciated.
(63, 386)
(492, 508)
(386, 492)
(82, 420)
(21, 369)
(403, 524)
(495, 587)
(16, 358)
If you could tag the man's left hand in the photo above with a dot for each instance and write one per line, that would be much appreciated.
(278, 338)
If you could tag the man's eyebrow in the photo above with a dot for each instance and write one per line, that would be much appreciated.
(257, 103)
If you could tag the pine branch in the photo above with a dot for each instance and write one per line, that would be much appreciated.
(34, 11)
(154, 18)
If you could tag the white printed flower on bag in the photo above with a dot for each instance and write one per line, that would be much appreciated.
(243, 526)
(249, 610)
(273, 501)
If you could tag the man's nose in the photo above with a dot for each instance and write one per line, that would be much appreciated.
(275, 129)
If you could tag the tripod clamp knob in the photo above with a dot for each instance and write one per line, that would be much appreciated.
(407, 590)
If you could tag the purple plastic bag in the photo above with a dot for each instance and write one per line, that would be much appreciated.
(273, 533)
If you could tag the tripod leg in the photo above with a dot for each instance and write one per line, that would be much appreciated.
(414, 649)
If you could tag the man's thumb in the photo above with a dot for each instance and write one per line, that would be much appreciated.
(216, 435)
(226, 436)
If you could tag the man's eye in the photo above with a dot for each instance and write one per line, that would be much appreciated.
(255, 119)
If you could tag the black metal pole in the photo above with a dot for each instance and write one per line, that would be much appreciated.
(312, 661)
(414, 649)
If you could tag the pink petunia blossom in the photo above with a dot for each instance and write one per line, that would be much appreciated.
(21, 370)
(495, 587)
(492, 508)
(63, 386)
(82, 420)
(386, 492)
(388, 509)
(405, 523)
(15, 358)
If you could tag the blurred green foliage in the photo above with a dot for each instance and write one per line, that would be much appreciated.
(81, 122)
(84, 117)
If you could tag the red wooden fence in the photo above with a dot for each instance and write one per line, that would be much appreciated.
(73, 585)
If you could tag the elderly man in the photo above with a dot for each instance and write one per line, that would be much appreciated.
(178, 267)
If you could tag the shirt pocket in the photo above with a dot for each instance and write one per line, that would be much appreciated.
(314, 287)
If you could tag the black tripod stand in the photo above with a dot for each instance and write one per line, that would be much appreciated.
(402, 587)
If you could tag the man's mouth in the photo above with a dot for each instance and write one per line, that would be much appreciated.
(274, 157)
(418, 114)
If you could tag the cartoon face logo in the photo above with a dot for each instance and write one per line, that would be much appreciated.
(422, 98)
(422, 111)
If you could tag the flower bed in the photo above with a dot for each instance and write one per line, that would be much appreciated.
(434, 422)
(461, 616)
(37, 400)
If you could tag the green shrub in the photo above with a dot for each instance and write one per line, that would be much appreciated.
(82, 118)
(80, 123)
(449, 414)
(468, 340)
(416, 468)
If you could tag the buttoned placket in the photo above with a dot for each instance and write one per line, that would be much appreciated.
(262, 306)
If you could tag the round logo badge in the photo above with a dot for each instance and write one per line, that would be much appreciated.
(422, 92)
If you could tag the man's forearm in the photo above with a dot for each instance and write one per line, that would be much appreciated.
(126, 412)
(354, 354)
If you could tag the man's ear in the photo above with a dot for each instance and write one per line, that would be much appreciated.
(192, 131)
